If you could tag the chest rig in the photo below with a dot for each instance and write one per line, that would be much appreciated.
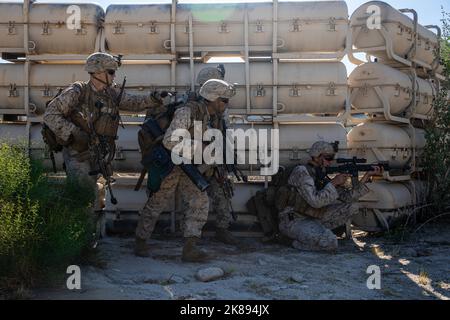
(97, 113)
(287, 195)
(199, 112)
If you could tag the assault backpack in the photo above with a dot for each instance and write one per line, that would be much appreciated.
(53, 143)
(48, 135)
(150, 146)
(267, 203)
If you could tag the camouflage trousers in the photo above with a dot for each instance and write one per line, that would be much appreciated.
(315, 234)
(219, 204)
(79, 170)
(195, 202)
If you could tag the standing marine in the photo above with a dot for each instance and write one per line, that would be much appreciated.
(212, 97)
(84, 118)
(220, 203)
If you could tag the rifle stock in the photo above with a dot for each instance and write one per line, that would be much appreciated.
(153, 128)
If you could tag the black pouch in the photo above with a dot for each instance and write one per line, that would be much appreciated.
(50, 139)
(159, 165)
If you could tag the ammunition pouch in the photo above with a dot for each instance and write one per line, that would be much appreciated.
(288, 197)
(107, 125)
(78, 119)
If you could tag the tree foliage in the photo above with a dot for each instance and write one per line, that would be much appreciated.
(437, 150)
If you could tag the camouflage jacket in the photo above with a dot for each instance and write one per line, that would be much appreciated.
(82, 97)
(184, 117)
(313, 202)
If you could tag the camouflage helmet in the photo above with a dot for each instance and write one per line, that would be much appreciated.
(214, 89)
(210, 73)
(100, 62)
(322, 147)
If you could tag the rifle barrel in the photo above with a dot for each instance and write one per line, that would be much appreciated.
(355, 168)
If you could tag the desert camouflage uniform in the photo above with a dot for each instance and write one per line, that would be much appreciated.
(195, 201)
(310, 224)
(83, 96)
(196, 213)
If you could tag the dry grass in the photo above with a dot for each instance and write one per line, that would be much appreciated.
(376, 250)
(423, 277)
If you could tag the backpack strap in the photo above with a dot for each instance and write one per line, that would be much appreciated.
(84, 88)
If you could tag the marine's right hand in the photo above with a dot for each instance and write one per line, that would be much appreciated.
(340, 179)
(80, 140)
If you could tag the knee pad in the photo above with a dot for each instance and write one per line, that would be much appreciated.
(328, 242)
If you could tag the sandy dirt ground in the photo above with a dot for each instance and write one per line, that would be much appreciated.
(416, 269)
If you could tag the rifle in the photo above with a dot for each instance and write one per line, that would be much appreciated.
(232, 168)
(104, 152)
(354, 166)
(119, 98)
(223, 170)
(164, 156)
(104, 149)
(221, 175)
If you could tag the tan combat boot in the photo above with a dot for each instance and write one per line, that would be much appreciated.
(191, 253)
(141, 248)
(225, 236)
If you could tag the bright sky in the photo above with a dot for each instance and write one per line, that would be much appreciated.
(429, 10)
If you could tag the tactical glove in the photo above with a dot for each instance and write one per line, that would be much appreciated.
(160, 95)
(80, 140)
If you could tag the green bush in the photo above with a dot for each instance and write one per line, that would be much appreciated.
(45, 224)
(437, 149)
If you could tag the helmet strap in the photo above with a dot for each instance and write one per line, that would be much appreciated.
(313, 162)
(102, 81)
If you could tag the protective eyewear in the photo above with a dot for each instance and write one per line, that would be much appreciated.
(329, 157)
(111, 72)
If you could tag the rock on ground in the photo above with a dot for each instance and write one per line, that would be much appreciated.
(209, 274)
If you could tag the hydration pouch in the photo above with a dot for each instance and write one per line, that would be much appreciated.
(159, 165)
(54, 144)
